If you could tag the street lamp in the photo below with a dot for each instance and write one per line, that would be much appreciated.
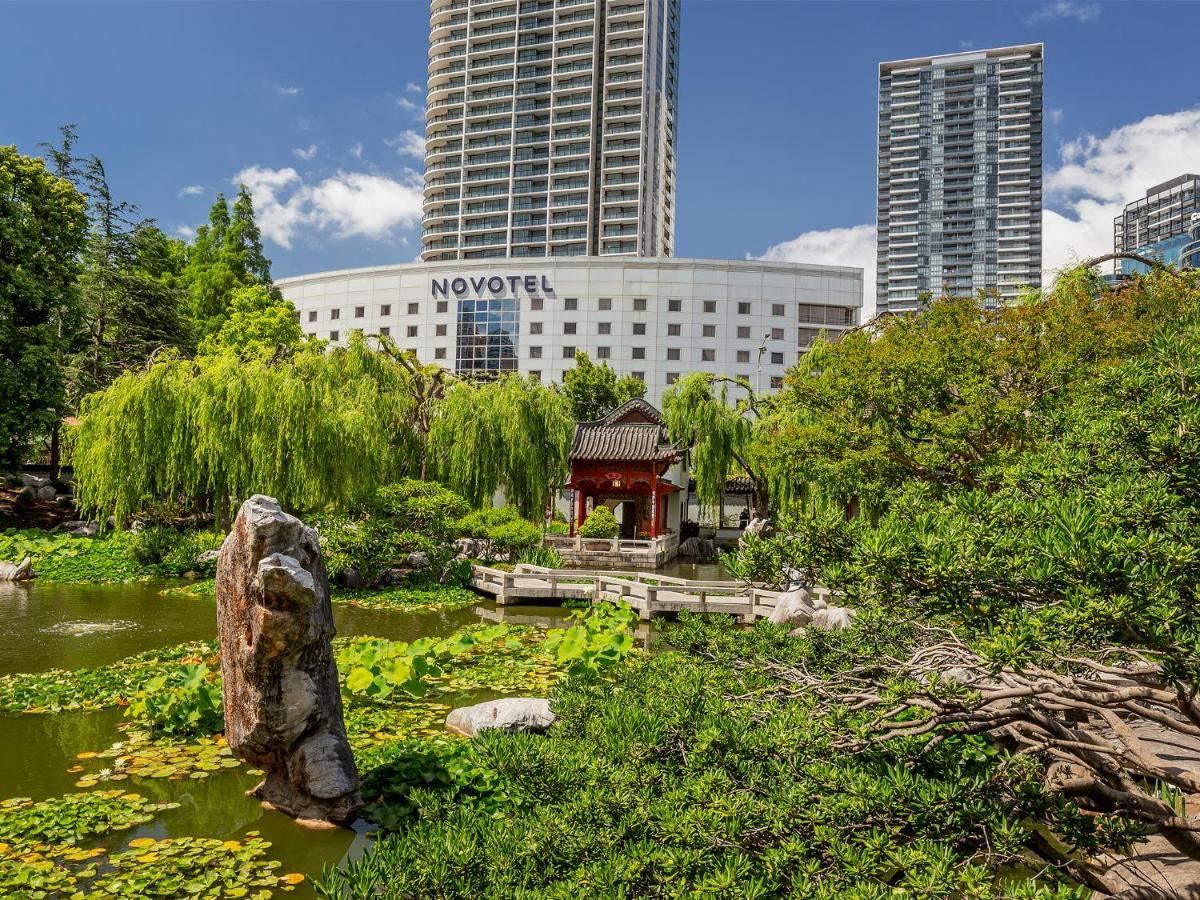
(762, 351)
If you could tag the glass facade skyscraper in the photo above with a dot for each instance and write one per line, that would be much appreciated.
(1158, 225)
(550, 128)
(960, 176)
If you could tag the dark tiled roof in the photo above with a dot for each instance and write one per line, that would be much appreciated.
(611, 439)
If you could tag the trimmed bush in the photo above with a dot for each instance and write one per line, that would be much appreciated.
(600, 524)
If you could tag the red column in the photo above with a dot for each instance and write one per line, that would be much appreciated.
(582, 507)
(654, 506)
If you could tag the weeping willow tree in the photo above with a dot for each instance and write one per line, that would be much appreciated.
(720, 430)
(512, 434)
(313, 429)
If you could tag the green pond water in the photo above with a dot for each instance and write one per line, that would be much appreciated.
(71, 626)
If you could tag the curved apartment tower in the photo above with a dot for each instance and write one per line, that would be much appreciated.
(960, 176)
(550, 128)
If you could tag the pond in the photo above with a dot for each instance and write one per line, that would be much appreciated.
(73, 626)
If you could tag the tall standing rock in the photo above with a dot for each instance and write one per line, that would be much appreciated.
(283, 710)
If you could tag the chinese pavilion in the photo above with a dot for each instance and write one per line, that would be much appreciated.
(622, 461)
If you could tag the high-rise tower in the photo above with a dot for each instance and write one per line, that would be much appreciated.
(550, 128)
(960, 175)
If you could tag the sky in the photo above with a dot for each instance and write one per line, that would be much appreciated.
(318, 108)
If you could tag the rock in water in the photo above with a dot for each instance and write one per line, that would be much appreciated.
(283, 710)
(21, 571)
(507, 714)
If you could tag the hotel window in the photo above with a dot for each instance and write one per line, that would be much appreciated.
(674, 329)
(440, 330)
(535, 327)
(312, 316)
(570, 303)
(710, 306)
(335, 314)
(710, 330)
(777, 334)
(359, 312)
(672, 353)
(708, 355)
(412, 331)
(743, 331)
(743, 356)
(414, 308)
(535, 303)
(487, 333)
(743, 309)
(639, 327)
(604, 328)
(674, 305)
(385, 331)
(777, 359)
(606, 303)
(639, 304)
(776, 382)
(640, 376)
(386, 309)
(333, 335)
(535, 375)
(672, 377)
(777, 309)
(603, 352)
(439, 353)
(535, 352)
(443, 306)
(568, 352)
(569, 327)
(639, 352)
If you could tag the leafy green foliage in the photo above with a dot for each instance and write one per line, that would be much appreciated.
(375, 667)
(259, 324)
(184, 702)
(63, 557)
(73, 817)
(600, 523)
(547, 557)
(502, 531)
(596, 390)
(442, 597)
(598, 638)
(163, 550)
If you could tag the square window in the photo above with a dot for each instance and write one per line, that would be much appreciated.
(412, 331)
(535, 352)
(672, 353)
(639, 304)
(414, 308)
(777, 334)
(743, 331)
(672, 377)
(535, 375)
(535, 302)
(606, 303)
(777, 359)
(639, 352)
(743, 309)
(535, 327)
(386, 309)
(708, 355)
(776, 382)
(603, 352)
(743, 356)
(439, 353)
(639, 327)
(674, 329)
(333, 335)
(777, 309)
(359, 312)
(640, 376)
(443, 306)
(568, 352)
(710, 306)
(569, 327)
(675, 305)
(385, 331)
(440, 331)
(604, 328)
(312, 316)
(571, 303)
(710, 330)
(335, 314)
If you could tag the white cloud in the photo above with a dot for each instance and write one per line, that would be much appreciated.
(285, 91)
(187, 232)
(851, 246)
(191, 190)
(346, 204)
(1054, 116)
(356, 151)
(305, 153)
(413, 88)
(408, 143)
(1065, 9)
(416, 109)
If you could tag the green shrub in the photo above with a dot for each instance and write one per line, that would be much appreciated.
(547, 557)
(182, 703)
(501, 531)
(162, 550)
(64, 557)
(600, 524)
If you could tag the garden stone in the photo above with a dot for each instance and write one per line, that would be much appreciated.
(208, 556)
(507, 714)
(34, 481)
(283, 709)
(350, 578)
(21, 571)
(26, 495)
(65, 501)
(46, 492)
(833, 618)
(87, 529)
(417, 559)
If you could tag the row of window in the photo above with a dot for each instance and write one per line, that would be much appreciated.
(674, 329)
(707, 354)
(570, 304)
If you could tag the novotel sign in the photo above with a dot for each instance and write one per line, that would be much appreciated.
(492, 284)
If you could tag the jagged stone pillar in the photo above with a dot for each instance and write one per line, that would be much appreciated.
(283, 709)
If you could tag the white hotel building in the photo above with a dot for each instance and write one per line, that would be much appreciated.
(655, 319)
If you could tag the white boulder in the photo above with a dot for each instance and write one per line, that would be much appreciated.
(508, 714)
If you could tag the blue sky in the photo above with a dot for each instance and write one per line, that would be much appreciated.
(316, 105)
